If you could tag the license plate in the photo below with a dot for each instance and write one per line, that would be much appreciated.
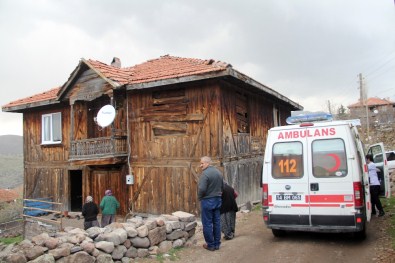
(288, 197)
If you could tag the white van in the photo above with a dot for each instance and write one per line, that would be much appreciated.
(315, 177)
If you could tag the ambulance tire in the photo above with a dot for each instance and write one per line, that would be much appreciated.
(278, 233)
(360, 235)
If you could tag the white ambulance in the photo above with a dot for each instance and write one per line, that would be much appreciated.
(315, 177)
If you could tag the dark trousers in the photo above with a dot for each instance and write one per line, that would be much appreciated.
(89, 224)
(107, 219)
(211, 221)
(374, 198)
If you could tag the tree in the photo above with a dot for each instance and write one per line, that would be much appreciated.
(342, 113)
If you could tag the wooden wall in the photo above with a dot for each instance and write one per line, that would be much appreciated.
(198, 119)
(45, 165)
(170, 128)
(170, 159)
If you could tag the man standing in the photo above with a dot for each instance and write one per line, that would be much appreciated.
(374, 186)
(209, 194)
(108, 205)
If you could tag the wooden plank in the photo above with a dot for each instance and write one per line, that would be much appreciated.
(164, 110)
(179, 118)
(169, 93)
(168, 190)
(170, 100)
(171, 126)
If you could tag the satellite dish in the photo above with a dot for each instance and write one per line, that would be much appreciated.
(105, 116)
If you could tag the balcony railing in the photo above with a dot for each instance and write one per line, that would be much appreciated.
(98, 147)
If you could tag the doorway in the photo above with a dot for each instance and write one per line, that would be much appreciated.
(76, 190)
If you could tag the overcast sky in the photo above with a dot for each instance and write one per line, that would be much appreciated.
(310, 51)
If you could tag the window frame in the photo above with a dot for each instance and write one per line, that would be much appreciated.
(48, 126)
(330, 174)
(288, 163)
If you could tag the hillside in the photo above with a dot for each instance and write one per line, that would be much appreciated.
(11, 161)
(11, 145)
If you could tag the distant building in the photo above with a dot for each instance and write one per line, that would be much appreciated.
(377, 111)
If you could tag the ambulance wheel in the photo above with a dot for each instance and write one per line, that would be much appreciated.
(360, 235)
(278, 233)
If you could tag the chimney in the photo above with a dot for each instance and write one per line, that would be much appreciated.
(116, 62)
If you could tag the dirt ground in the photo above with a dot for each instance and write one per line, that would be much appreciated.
(255, 243)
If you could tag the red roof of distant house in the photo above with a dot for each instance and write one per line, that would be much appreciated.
(372, 102)
(165, 67)
(8, 195)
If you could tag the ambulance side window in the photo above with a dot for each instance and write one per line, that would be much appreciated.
(329, 158)
(287, 160)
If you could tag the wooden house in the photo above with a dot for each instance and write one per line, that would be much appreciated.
(170, 111)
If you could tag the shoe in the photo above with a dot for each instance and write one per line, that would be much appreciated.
(208, 248)
(381, 213)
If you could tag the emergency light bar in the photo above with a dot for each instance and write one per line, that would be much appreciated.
(308, 117)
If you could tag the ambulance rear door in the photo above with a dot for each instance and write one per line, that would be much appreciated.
(330, 169)
(288, 182)
(380, 159)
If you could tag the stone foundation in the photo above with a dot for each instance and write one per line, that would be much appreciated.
(119, 242)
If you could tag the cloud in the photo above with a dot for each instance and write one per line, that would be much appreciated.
(310, 51)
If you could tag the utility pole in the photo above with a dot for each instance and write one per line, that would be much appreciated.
(364, 101)
(329, 107)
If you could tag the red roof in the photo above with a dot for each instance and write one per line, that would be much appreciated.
(165, 67)
(8, 195)
(372, 102)
(44, 96)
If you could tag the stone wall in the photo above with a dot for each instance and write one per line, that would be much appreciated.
(117, 242)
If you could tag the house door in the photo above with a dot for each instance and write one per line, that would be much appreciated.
(76, 201)
(101, 180)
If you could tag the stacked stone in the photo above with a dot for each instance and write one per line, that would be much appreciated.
(117, 242)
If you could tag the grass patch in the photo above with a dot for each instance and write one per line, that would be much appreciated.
(389, 208)
(171, 255)
(257, 207)
(11, 240)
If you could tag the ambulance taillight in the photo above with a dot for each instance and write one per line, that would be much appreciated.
(265, 195)
(358, 195)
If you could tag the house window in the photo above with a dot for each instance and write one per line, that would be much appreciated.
(51, 128)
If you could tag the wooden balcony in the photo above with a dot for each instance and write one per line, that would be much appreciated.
(98, 148)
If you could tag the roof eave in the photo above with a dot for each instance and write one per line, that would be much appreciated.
(221, 73)
(183, 79)
(254, 83)
(21, 108)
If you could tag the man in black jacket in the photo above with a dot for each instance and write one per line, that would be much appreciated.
(89, 212)
(228, 211)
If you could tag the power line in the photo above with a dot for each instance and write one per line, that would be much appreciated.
(380, 65)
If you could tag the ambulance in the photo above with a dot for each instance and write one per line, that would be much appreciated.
(315, 176)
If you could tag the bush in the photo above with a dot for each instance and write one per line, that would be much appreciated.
(11, 211)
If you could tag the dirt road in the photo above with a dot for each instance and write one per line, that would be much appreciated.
(255, 243)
